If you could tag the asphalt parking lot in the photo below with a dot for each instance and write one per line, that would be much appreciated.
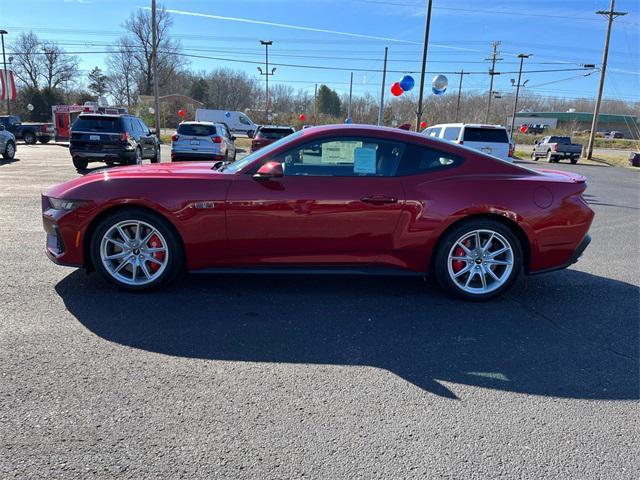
(330, 377)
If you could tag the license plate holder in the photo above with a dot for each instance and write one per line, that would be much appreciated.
(195, 142)
(94, 138)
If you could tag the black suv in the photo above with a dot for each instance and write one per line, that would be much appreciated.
(112, 138)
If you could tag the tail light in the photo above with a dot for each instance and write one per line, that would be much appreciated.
(511, 149)
(124, 137)
(174, 137)
(216, 139)
(554, 147)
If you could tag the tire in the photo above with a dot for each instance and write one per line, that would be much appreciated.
(9, 151)
(137, 159)
(80, 163)
(250, 133)
(573, 159)
(234, 156)
(157, 156)
(550, 157)
(534, 157)
(44, 139)
(29, 138)
(469, 285)
(132, 258)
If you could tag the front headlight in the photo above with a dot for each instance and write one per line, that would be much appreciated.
(64, 204)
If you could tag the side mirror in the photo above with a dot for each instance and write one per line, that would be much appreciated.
(1, 127)
(250, 133)
(153, 132)
(269, 170)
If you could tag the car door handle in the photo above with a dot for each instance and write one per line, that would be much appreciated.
(378, 199)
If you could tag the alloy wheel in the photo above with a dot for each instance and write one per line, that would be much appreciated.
(134, 252)
(480, 261)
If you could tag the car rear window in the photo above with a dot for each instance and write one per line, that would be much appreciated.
(274, 133)
(560, 140)
(97, 124)
(197, 130)
(486, 135)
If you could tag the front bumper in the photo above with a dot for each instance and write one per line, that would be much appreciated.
(64, 238)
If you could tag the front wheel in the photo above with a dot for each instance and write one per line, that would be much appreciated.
(137, 159)
(534, 157)
(156, 158)
(478, 260)
(29, 138)
(80, 163)
(9, 151)
(136, 250)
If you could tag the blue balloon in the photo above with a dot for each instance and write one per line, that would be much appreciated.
(227, 114)
(348, 120)
(437, 91)
(407, 83)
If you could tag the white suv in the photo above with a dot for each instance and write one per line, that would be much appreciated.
(490, 139)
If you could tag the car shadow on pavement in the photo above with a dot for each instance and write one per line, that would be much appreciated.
(567, 334)
(8, 161)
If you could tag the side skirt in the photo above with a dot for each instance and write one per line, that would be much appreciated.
(376, 270)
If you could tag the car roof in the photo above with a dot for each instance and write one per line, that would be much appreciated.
(104, 115)
(473, 125)
(193, 122)
(276, 126)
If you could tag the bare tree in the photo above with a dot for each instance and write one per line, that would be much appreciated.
(58, 68)
(122, 73)
(27, 64)
(232, 90)
(169, 51)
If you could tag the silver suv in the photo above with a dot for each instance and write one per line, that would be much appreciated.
(203, 141)
(7, 144)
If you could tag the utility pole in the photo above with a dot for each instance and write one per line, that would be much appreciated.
(266, 74)
(424, 65)
(384, 79)
(494, 58)
(154, 64)
(6, 72)
(461, 73)
(350, 92)
(521, 56)
(315, 105)
(611, 15)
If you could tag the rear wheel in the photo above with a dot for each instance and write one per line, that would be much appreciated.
(137, 159)
(156, 157)
(9, 151)
(550, 157)
(29, 138)
(478, 260)
(44, 139)
(574, 159)
(80, 163)
(136, 250)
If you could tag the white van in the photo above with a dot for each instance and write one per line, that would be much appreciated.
(490, 139)
(236, 121)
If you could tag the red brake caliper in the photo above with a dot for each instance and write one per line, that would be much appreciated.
(459, 252)
(154, 242)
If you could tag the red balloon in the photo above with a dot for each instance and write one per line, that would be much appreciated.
(396, 89)
(523, 128)
(302, 117)
(181, 113)
(423, 125)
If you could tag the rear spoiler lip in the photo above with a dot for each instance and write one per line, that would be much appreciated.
(574, 177)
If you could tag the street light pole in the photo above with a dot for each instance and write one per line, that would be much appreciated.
(611, 14)
(267, 74)
(154, 65)
(461, 73)
(521, 56)
(384, 79)
(492, 72)
(350, 92)
(6, 73)
(424, 65)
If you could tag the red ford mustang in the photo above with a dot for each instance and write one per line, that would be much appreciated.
(336, 199)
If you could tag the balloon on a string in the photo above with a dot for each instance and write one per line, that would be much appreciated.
(407, 83)
(30, 107)
(423, 125)
(302, 117)
(348, 120)
(181, 113)
(523, 129)
(396, 89)
(439, 84)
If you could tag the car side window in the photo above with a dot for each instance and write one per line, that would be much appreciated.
(244, 120)
(435, 132)
(451, 133)
(344, 157)
(143, 126)
(420, 160)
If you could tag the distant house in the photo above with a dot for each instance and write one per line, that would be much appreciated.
(190, 105)
(580, 121)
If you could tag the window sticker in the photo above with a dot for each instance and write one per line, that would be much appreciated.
(364, 161)
(339, 151)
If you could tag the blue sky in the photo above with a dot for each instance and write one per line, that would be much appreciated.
(559, 34)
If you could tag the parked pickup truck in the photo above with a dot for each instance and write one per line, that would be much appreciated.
(554, 148)
(29, 132)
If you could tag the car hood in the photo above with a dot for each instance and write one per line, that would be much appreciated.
(168, 171)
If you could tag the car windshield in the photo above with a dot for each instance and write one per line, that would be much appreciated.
(273, 133)
(240, 164)
(96, 124)
(197, 130)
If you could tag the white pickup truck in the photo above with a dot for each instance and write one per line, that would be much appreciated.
(554, 148)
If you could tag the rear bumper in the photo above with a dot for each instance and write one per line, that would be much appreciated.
(177, 156)
(101, 156)
(582, 246)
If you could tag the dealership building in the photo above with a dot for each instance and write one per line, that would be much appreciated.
(577, 121)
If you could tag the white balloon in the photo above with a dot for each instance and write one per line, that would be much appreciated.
(30, 107)
(439, 84)
(152, 110)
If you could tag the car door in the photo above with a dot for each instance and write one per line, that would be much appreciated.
(146, 139)
(337, 203)
(229, 140)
